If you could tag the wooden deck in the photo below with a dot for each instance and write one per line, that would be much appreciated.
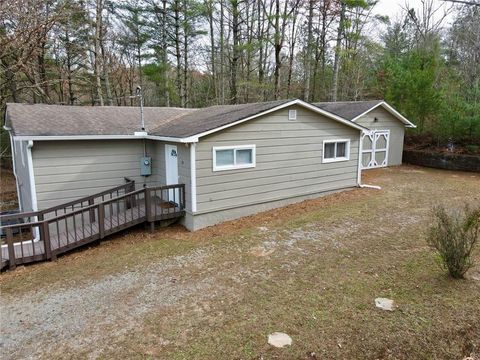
(45, 239)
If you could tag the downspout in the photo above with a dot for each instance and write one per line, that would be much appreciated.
(193, 177)
(33, 191)
(360, 155)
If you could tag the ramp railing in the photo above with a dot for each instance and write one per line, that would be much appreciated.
(50, 236)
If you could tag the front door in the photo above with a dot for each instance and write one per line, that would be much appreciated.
(171, 171)
(375, 148)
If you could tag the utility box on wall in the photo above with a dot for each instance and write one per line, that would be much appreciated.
(146, 166)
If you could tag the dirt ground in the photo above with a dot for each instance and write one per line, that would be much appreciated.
(311, 270)
(8, 190)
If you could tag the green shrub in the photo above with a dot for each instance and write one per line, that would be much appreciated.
(454, 235)
(472, 149)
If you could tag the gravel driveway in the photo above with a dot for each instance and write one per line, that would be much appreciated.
(44, 320)
(85, 317)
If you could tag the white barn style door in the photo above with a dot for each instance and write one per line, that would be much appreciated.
(375, 148)
(171, 171)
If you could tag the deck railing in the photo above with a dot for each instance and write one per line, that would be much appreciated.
(48, 237)
(80, 203)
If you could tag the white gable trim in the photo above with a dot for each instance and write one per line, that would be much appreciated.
(301, 103)
(392, 111)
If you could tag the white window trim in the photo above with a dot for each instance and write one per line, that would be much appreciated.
(234, 148)
(336, 159)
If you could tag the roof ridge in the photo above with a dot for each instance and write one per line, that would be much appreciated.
(228, 111)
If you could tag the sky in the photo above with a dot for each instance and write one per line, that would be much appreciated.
(394, 7)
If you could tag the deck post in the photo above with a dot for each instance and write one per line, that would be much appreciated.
(128, 200)
(11, 249)
(182, 204)
(148, 204)
(45, 236)
(92, 211)
(101, 220)
(148, 208)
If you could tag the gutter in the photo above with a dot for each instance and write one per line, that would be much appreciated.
(137, 135)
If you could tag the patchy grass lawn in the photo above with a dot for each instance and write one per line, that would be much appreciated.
(311, 270)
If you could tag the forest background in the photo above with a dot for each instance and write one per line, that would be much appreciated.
(195, 53)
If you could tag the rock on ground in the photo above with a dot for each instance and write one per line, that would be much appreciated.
(385, 304)
(279, 339)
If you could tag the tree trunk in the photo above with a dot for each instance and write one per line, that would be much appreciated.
(185, 54)
(308, 55)
(71, 95)
(292, 54)
(235, 51)
(222, 52)
(97, 50)
(336, 63)
(277, 48)
(212, 48)
(178, 54)
(165, 54)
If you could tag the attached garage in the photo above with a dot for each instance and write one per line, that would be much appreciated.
(383, 144)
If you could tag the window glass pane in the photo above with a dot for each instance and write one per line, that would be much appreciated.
(224, 157)
(341, 149)
(329, 151)
(244, 156)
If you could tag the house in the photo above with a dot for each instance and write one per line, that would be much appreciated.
(234, 160)
(383, 144)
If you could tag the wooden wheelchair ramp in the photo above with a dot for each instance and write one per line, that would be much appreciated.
(67, 226)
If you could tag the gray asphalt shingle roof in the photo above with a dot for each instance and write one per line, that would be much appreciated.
(347, 109)
(58, 120)
(212, 117)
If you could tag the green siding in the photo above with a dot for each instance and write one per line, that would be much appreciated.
(288, 161)
(387, 121)
(67, 170)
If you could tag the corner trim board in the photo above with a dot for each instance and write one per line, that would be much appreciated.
(193, 176)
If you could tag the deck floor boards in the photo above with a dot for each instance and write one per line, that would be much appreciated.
(74, 237)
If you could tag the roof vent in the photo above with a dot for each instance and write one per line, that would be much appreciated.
(292, 114)
(139, 94)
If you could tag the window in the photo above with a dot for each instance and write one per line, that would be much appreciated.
(233, 157)
(292, 114)
(336, 150)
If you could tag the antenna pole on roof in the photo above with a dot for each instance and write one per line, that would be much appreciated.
(140, 95)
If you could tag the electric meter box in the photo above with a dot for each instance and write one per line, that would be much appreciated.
(146, 166)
